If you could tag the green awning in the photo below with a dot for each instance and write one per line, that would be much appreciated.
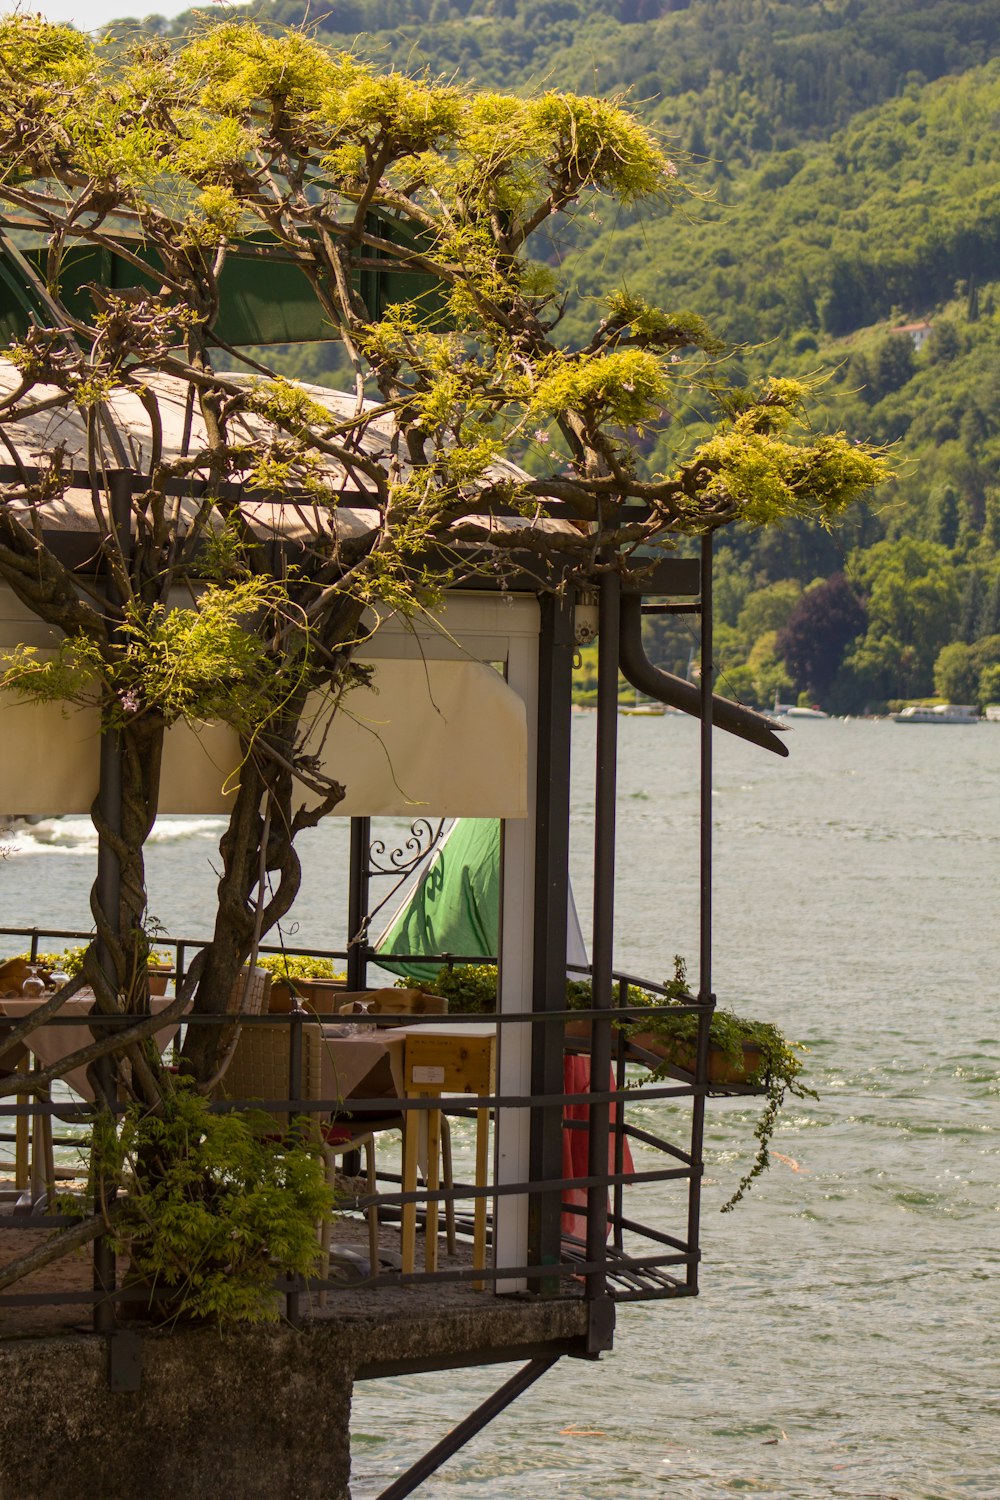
(265, 297)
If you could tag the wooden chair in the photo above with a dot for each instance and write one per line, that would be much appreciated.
(15, 1060)
(437, 1062)
(259, 1070)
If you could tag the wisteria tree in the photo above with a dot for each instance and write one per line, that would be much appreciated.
(173, 156)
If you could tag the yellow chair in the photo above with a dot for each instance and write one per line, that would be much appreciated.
(440, 1060)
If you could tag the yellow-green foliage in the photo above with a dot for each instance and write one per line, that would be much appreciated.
(297, 966)
(651, 325)
(766, 476)
(204, 663)
(626, 387)
(237, 67)
(197, 664)
(602, 144)
(215, 1207)
(37, 49)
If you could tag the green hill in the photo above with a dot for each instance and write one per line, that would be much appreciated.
(850, 162)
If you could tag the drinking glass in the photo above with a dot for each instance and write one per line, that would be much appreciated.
(34, 984)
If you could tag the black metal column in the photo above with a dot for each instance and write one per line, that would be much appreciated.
(556, 647)
(605, 790)
(120, 484)
(357, 905)
(705, 995)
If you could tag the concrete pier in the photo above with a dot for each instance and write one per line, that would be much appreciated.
(259, 1414)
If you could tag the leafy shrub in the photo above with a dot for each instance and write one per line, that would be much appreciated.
(215, 1207)
(468, 988)
(297, 966)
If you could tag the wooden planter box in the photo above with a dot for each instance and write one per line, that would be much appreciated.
(721, 1068)
(323, 996)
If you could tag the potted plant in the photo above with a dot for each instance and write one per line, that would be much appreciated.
(296, 976)
(160, 967)
(745, 1053)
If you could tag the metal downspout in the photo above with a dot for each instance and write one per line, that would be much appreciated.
(637, 669)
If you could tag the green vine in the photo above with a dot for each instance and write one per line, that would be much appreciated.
(473, 988)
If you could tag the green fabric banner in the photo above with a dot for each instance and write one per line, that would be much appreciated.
(455, 905)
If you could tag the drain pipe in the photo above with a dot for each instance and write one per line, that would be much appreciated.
(637, 669)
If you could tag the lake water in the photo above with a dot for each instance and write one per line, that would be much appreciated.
(847, 1339)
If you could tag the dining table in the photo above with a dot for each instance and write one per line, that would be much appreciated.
(361, 1062)
(70, 1030)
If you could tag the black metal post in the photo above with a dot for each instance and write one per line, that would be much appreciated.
(120, 484)
(357, 905)
(705, 995)
(556, 647)
(619, 1127)
(295, 1021)
(468, 1428)
(605, 790)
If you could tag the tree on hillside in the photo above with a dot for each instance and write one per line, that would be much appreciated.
(911, 594)
(956, 677)
(168, 158)
(819, 629)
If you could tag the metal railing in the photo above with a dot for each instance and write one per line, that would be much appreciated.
(642, 1259)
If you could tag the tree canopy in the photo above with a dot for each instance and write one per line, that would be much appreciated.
(172, 157)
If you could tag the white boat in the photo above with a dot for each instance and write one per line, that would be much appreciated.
(991, 713)
(938, 713)
(793, 711)
(647, 707)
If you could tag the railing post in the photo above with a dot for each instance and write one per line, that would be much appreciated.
(619, 1126)
(295, 1022)
(556, 644)
(109, 878)
(606, 780)
(357, 913)
(705, 995)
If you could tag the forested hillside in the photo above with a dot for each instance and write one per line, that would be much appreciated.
(848, 157)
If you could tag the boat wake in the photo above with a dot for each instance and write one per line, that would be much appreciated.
(77, 835)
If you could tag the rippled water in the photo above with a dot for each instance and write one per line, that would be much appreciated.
(847, 1340)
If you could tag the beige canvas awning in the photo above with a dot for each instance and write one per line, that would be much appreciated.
(446, 736)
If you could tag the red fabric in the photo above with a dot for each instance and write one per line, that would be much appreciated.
(576, 1144)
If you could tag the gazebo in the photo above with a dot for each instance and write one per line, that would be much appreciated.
(472, 717)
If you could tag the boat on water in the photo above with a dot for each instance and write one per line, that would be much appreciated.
(991, 713)
(643, 706)
(938, 713)
(795, 711)
(644, 710)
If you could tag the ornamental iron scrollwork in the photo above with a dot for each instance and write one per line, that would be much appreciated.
(406, 857)
(404, 860)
